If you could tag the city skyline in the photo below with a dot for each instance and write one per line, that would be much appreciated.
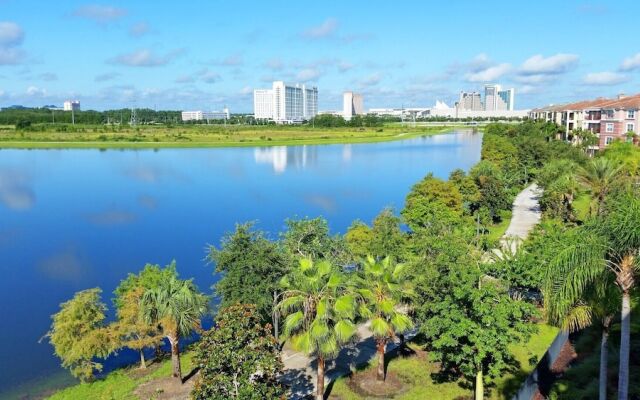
(175, 58)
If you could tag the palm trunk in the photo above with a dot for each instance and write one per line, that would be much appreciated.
(143, 364)
(320, 381)
(604, 356)
(479, 385)
(625, 332)
(175, 357)
(381, 348)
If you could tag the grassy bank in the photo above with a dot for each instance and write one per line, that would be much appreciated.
(195, 136)
(418, 374)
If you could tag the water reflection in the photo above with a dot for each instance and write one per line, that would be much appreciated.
(283, 157)
(111, 217)
(15, 190)
(66, 265)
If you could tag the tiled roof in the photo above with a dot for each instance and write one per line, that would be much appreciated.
(625, 102)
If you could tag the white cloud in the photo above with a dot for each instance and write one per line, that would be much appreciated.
(185, 79)
(48, 76)
(371, 80)
(488, 74)
(106, 76)
(100, 14)
(325, 29)
(631, 63)
(274, 64)
(552, 65)
(308, 74)
(35, 91)
(139, 29)
(145, 58)
(534, 79)
(344, 66)
(11, 34)
(11, 37)
(605, 78)
(246, 90)
(209, 76)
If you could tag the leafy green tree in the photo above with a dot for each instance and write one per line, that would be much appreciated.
(320, 312)
(359, 237)
(625, 154)
(434, 204)
(310, 238)
(472, 327)
(558, 196)
(383, 285)
(238, 358)
(600, 177)
(176, 306)
(79, 333)
(131, 329)
(385, 237)
(252, 267)
(493, 188)
(467, 188)
(149, 278)
(607, 244)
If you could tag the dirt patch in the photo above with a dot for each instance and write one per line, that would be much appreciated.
(366, 384)
(166, 388)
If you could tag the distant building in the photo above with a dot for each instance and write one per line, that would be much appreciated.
(205, 115)
(285, 103)
(496, 99)
(71, 105)
(353, 104)
(469, 101)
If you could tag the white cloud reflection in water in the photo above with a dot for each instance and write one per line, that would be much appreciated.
(15, 190)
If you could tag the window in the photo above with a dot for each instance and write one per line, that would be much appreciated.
(631, 114)
(608, 140)
(609, 127)
(630, 127)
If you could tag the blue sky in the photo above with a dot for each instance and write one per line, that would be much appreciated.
(205, 54)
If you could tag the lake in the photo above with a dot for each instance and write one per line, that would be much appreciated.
(77, 219)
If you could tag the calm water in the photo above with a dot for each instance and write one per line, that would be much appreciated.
(76, 219)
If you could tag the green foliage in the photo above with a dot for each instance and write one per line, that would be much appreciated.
(252, 267)
(494, 196)
(238, 358)
(320, 311)
(149, 278)
(310, 238)
(434, 204)
(79, 334)
(384, 237)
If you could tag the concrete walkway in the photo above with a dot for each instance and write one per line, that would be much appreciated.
(300, 370)
(526, 214)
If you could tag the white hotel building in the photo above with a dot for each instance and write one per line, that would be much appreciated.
(205, 115)
(285, 104)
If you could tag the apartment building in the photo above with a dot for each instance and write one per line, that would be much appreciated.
(609, 119)
(352, 104)
(285, 103)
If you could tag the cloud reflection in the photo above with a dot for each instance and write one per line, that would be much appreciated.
(15, 190)
(111, 217)
(66, 265)
(147, 201)
(326, 203)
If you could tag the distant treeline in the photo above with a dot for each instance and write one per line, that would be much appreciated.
(14, 116)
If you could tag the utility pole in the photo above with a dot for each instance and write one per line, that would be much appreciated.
(73, 115)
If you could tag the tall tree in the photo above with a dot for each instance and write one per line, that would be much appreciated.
(79, 334)
(252, 267)
(238, 358)
(383, 285)
(319, 311)
(131, 329)
(609, 243)
(310, 238)
(176, 306)
(600, 177)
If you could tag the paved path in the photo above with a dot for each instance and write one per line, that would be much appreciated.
(526, 214)
(300, 370)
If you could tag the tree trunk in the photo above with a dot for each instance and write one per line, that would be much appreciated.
(604, 356)
(320, 381)
(625, 332)
(143, 364)
(479, 385)
(175, 357)
(381, 348)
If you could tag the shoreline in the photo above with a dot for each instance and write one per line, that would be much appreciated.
(258, 142)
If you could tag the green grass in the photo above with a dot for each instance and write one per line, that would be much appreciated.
(416, 373)
(204, 136)
(497, 231)
(581, 206)
(120, 384)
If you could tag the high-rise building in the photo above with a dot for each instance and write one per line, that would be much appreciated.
(285, 103)
(497, 99)
(353, 104)
(71, 105)
(469, 101)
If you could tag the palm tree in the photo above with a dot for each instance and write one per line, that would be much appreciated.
(608, 244)
(600, 176)
(383, 285)
(176, 306)
(319, 310)
(600, 304)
